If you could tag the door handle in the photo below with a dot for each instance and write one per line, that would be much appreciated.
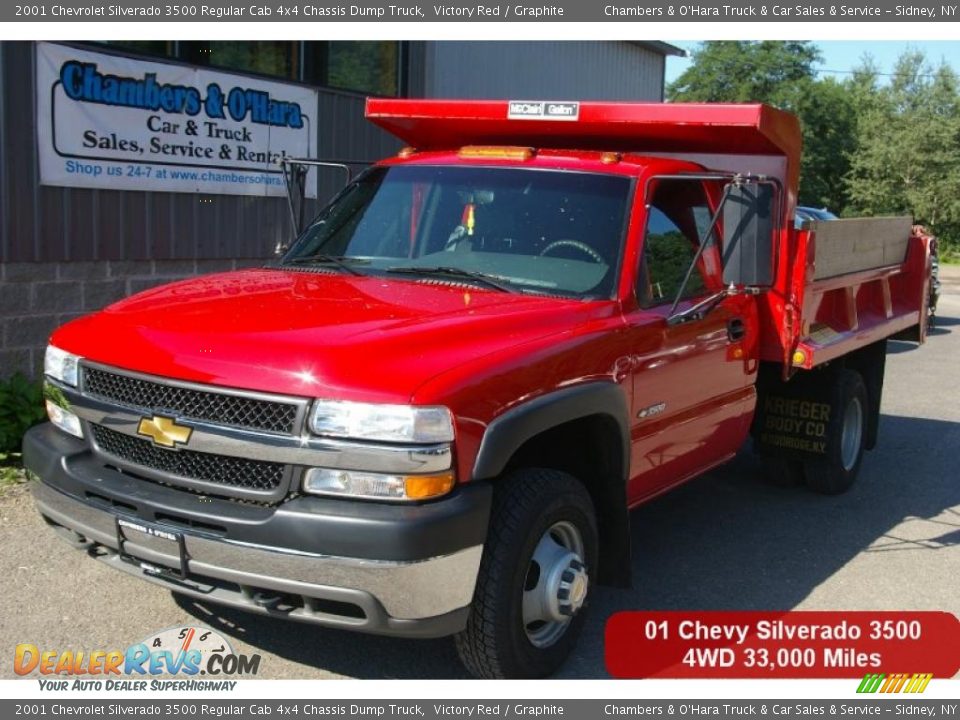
(736, 329)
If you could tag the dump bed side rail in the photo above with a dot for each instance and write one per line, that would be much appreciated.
(883, 293)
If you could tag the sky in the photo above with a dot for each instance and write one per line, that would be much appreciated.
(842, 57)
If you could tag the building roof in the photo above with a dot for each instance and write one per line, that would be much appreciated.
(660, 47)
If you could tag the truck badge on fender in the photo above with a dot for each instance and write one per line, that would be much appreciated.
(652, 410)
(164, 431)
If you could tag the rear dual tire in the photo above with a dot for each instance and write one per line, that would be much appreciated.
(836, 472)
(847, 432)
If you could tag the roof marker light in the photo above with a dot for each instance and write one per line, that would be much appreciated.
(504, 152)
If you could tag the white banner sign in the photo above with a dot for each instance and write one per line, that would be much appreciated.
(111, 122)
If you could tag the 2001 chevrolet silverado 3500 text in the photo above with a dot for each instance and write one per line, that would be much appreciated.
(433, 413)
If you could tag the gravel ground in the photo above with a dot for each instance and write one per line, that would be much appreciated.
(725, 541)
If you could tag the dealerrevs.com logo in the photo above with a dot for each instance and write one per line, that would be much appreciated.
(178, 652)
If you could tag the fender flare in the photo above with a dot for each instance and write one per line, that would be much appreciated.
(506, 434)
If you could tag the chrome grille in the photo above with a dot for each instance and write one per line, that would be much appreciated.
(229, 472)
(220, 408)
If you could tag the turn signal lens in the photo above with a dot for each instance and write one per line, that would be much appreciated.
(421, 487)
(376, 486)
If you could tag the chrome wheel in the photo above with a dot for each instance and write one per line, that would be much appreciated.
(852, 434)
(556, 585)
(530, 604)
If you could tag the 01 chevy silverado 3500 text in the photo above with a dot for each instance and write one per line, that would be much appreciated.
(433, 413)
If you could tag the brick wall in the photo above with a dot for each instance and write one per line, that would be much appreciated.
(35, 298)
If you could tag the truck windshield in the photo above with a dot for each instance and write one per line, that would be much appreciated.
(523, 230)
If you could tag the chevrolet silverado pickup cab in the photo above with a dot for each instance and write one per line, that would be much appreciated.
(432, 415)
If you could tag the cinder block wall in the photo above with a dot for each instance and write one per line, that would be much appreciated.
(36, 298)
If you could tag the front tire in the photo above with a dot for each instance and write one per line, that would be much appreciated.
(540, 559)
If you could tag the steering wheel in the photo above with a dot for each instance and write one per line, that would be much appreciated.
(576, 244)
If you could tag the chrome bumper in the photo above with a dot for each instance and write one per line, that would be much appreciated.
(423, 598)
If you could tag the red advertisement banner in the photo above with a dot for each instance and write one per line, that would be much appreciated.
(799, 644)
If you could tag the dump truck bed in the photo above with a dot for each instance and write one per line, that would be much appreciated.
(856, 282)
(856, 245)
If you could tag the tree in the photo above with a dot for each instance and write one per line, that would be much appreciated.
(745, 71)
(869, 148)
(782, 74)
(828, 120)
(908, 147)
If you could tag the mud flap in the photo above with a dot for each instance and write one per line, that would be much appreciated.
(793, 419)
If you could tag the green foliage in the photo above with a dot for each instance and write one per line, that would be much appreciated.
(12, 474)
(869, 148)
(908, 149)
(668, 256)
(21, 407)
(828, 118)
(782, 74)
(745, 71)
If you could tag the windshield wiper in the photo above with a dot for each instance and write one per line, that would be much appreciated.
(339, 261)
(488, 280)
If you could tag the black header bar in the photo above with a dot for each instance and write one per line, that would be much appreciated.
(319, 11)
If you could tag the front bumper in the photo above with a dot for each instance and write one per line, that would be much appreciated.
(389, 569)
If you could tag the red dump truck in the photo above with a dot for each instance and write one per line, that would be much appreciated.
(432, 415)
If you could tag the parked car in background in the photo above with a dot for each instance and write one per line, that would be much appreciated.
(805, 213)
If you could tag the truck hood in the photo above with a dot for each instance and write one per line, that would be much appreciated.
(314, 335)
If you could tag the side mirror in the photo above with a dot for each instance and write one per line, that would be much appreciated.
(748, 234)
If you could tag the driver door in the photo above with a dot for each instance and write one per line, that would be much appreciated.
(692, 382)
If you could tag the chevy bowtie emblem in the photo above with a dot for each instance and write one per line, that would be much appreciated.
(164, 431)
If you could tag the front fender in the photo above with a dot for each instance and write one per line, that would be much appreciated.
(606, 482)
(508, 432)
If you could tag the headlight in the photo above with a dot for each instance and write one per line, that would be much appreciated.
(61, 365)
(376, 486)
(386, 423)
